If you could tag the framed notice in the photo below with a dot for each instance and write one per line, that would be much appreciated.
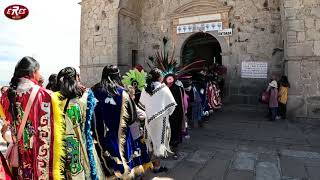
(254, 70)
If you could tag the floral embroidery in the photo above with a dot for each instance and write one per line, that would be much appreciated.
(73, 155)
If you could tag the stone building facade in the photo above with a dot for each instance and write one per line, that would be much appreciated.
(285, 34)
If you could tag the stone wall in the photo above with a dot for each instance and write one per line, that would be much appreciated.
(302, 54)
(129, 20)
(99, 38)
(257, 37)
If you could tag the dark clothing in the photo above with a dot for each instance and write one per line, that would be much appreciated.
(273, 111)
(283, 110)
(177, 116)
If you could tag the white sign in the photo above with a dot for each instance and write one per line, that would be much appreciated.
(225, 32)
(189, 28)
(202, 18)
(254, 70)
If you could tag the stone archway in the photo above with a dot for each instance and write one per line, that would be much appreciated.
(224, 45)
(197, 13)
(201, 46)
(202, 11)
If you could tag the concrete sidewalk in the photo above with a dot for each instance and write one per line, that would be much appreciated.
(238, 143)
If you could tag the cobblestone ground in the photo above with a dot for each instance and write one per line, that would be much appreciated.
(240, 144)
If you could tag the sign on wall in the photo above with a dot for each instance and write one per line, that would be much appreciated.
(225, 32)
(189, 28)
(254, 70)
(202, 18)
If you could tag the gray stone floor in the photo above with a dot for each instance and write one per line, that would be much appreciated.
(239, 143)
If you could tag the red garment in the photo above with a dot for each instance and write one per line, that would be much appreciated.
(4, 170)
(213, 95)
(35, 149)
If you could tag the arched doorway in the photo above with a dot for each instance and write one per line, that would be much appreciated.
(201, 46)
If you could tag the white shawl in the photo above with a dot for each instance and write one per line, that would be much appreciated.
(159, 106)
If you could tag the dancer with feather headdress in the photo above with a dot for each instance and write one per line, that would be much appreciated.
(172, 73)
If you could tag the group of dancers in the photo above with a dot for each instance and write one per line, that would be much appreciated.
(117, 129)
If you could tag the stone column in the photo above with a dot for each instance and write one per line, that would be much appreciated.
(301, 27)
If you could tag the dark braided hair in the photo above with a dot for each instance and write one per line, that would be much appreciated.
(24, 68)
(67, 83)
(52, 85)
(153, 76)
(110, 80)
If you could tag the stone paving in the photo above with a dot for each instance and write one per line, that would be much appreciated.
(239, 143)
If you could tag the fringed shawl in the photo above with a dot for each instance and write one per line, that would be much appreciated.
(158, 107)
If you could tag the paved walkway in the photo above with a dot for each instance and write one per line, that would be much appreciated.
(238, 143)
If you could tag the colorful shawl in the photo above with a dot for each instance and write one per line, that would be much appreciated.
(213, 96)
(5, 173)
(38, 157)
(80, 152)
(158, 107)
(117, 148)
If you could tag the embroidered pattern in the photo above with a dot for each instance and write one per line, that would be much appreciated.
(73, 146)
(163, 130)
(158, 89)
(73, 155)
(44, 149)
(160, 112)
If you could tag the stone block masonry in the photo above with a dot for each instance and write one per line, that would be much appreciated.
(283, 33)
(302, 56)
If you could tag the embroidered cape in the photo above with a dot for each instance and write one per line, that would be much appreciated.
(39, 155)
(159, 106)
(5, 173)
(80, 161)
(118, 153)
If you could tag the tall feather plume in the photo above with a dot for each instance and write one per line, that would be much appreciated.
(168, 64)
(193, 64)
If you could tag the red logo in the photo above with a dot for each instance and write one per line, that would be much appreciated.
(16, 12)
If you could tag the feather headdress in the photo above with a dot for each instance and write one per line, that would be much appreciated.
(135, 78)
(168, 64)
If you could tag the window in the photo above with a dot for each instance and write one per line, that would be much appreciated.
(134, 58)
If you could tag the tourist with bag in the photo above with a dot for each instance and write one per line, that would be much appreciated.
(35, 151)
(273, 100)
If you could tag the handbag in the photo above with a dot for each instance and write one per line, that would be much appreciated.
(265, 96)
(12, 154)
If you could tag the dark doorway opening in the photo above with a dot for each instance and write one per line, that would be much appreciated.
(201, 46)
